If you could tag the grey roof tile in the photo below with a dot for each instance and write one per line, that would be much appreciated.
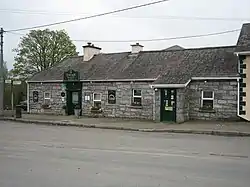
(243, 43)
(168, 67)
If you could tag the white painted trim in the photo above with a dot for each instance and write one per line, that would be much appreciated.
(168, 85)
(203, 98)
(238, 98)
(46, 98)
(188, 82)
(138, 96)
(215, 78)
(28, 98)
(242, 53)
(98, 99)
(101, 80)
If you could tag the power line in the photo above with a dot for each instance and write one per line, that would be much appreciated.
(150, 40)
(88, 17)
(160, 39)
(23, 11)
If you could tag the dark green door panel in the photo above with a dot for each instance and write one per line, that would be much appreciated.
(73, 96)
(168, 104)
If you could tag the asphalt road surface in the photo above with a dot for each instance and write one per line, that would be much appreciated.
(47, 156)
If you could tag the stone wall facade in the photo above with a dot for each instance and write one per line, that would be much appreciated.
(188, 100)
(182, 105)
(55, 102)
(225, 100)
(123, 107)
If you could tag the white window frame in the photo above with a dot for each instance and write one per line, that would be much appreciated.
(46, 98)
(206, 98)
(97, 99)
(137, 96)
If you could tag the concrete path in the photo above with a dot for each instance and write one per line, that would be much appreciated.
(33, 155)
(194, 127)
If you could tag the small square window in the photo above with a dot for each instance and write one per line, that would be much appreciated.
(97, 100)
(46, 95)
(207, 94)
(207, 100)
(137, 98)
(97, 97)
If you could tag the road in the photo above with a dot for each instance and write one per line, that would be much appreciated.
(37, 156)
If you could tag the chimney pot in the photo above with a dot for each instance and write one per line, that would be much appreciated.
(136, 48)
(89, 51)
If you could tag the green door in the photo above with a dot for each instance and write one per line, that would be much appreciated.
(73, 99)
(168, 104)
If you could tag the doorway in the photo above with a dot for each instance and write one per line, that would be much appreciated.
(73, 96)
(168, 104)
(73, 100)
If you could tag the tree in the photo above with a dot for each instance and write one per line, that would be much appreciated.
(40, 50)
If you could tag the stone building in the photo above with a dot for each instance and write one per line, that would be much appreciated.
(168, 85)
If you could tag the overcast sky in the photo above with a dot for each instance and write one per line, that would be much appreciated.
(144, 23)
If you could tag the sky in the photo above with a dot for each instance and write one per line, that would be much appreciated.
(144, 23)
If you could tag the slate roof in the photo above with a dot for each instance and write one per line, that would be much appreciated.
(168, 67)
(174, 47)
(243, 43)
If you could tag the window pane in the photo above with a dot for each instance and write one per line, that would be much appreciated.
(97, 104)
(137, 101)
(47, 95)
(207, 94)
(208, 104)
(97, 97)
(137, 92)
(75, 97)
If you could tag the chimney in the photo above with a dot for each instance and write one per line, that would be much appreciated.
(136, 48)
(89, 51)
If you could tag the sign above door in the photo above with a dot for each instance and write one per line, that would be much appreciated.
(71, 75)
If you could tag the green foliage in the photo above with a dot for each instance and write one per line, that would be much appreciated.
(40, 50)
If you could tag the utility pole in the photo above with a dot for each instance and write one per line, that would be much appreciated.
(1, 74)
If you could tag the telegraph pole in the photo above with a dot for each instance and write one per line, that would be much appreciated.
(1, 74)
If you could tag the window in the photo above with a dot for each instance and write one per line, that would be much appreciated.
(111, 97)
(207, 100)
(75, 97)
(47, 97)
(136, 101)
(97, 100)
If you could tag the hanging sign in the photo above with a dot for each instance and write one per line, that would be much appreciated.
(71, 75)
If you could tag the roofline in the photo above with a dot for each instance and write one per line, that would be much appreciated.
(215, 78)
(242, 53)
(193, 78)
(198, 48)
(101, 80)
(170, 85)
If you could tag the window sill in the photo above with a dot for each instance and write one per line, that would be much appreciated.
(135, 107)
(203, 110)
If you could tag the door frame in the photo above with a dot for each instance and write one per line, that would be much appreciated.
(70, 88)
(162, 106)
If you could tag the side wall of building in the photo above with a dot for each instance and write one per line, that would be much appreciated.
(225, 100)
